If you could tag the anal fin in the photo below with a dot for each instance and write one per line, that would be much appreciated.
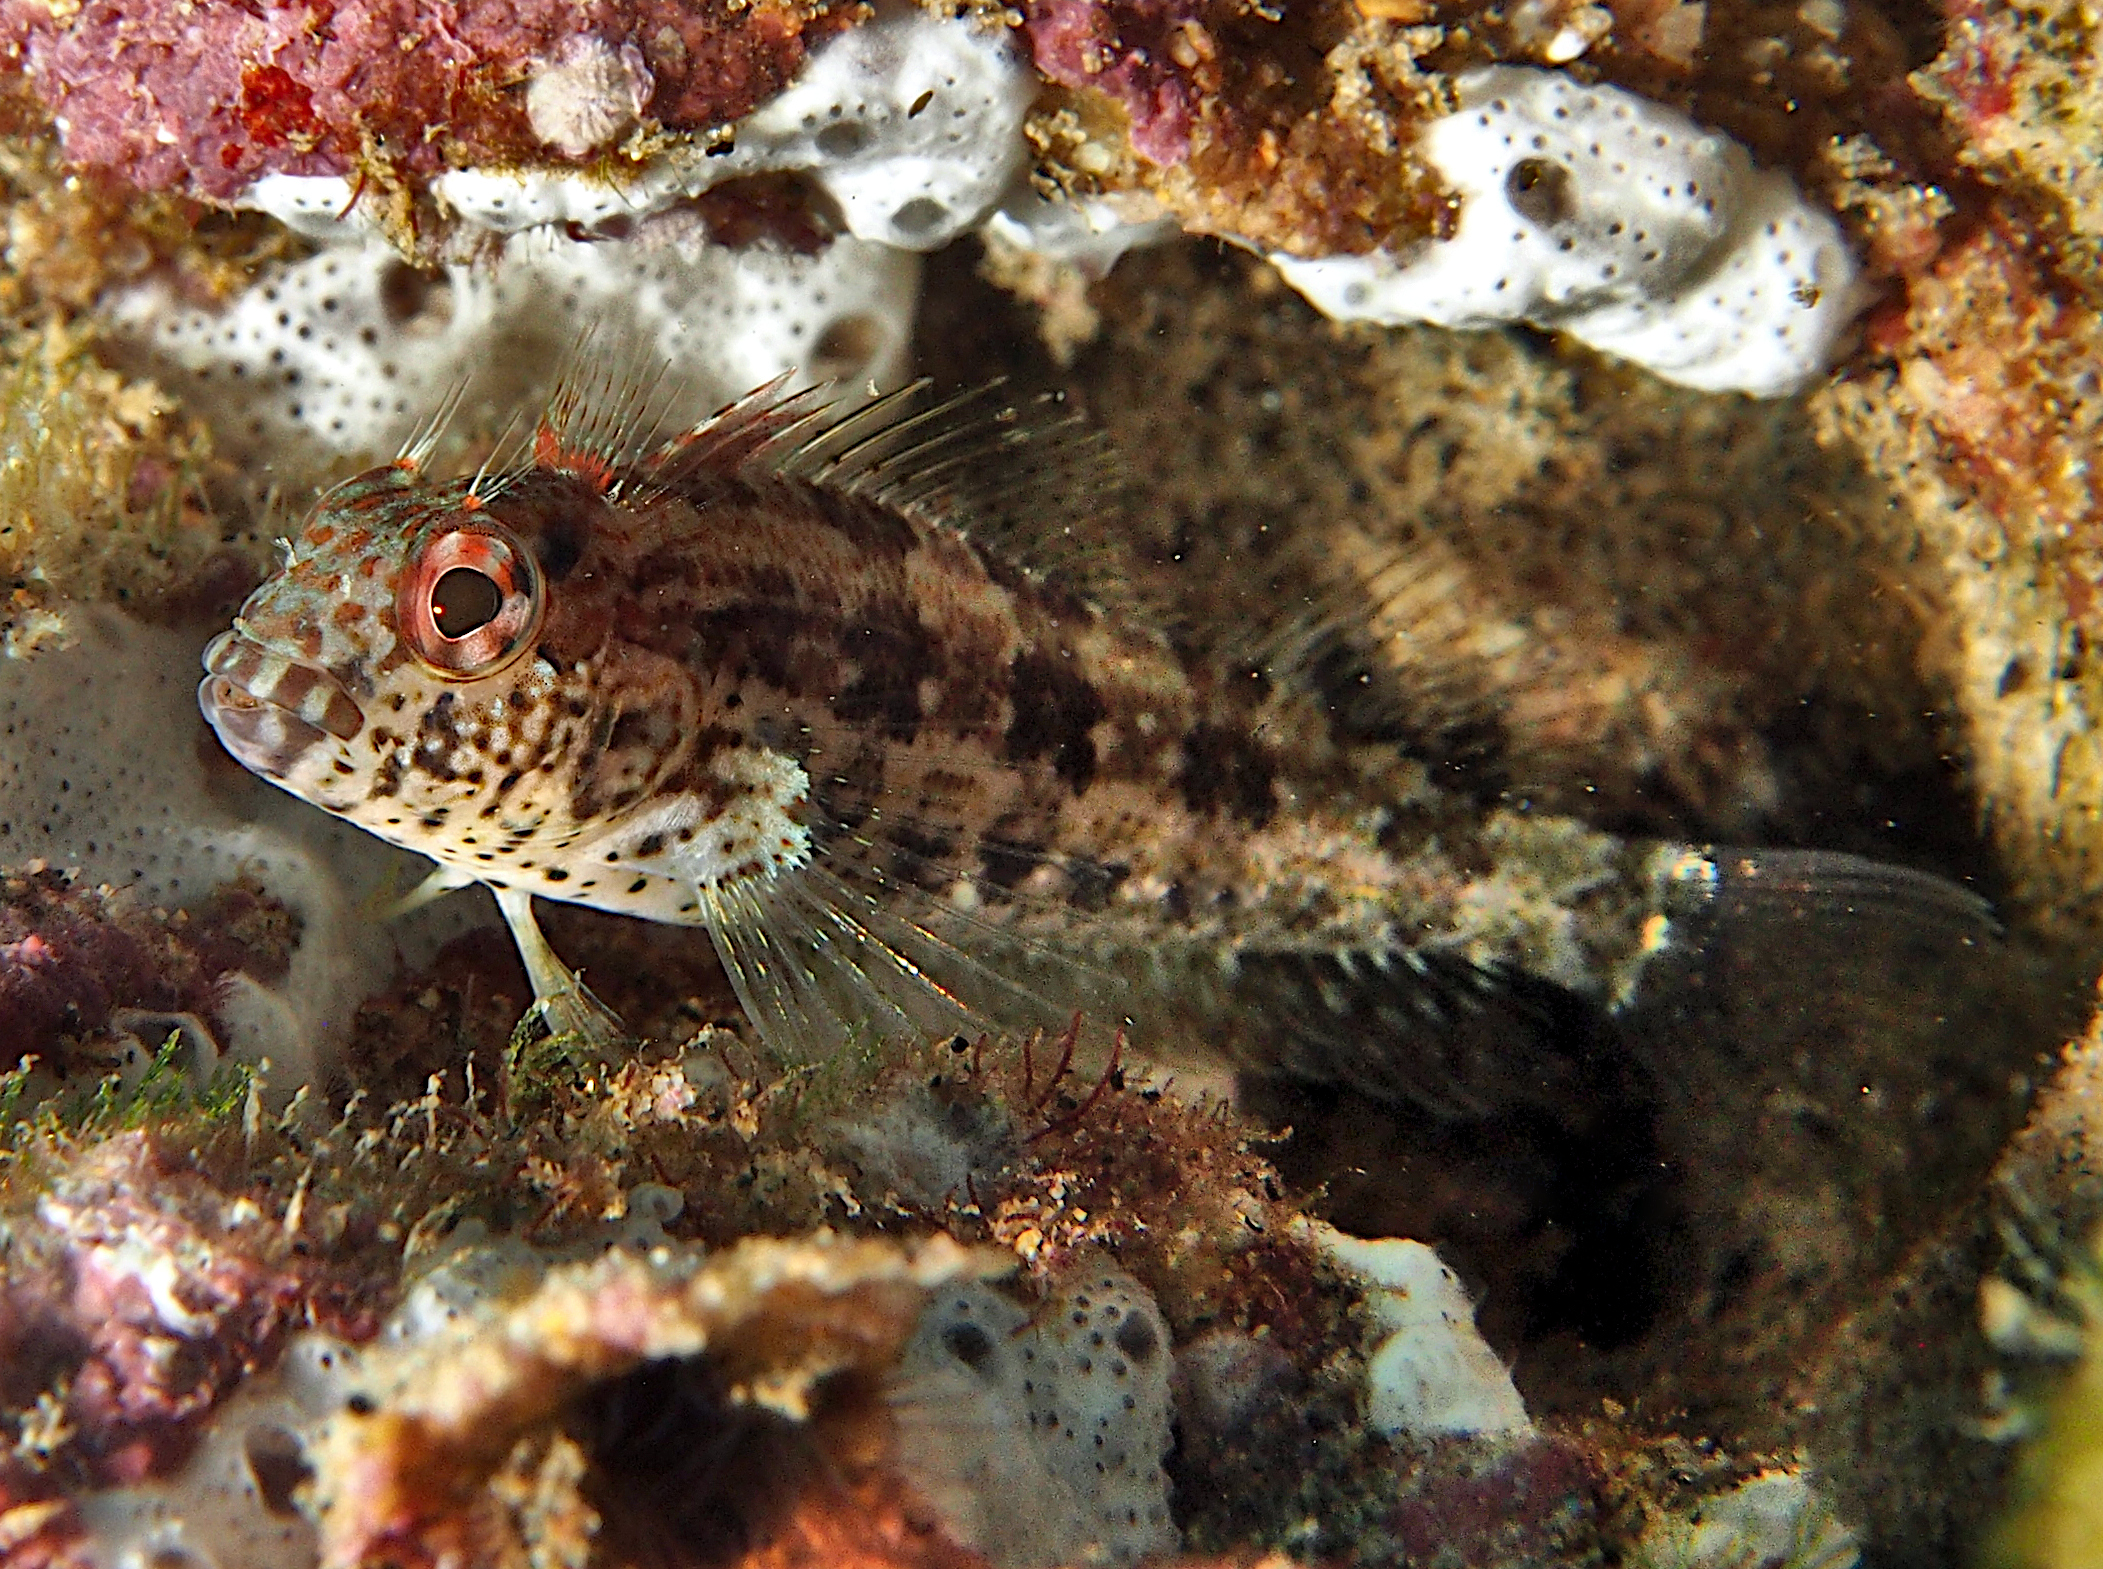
(1753, 949)
(829, 954)
(1429, 1030)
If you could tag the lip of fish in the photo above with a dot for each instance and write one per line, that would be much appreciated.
(269, 709)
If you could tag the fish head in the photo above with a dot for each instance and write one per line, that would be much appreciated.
(350, 676)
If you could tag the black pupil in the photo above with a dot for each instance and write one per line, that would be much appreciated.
(465, 601)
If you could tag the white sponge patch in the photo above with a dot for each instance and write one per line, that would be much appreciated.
(1040, 1441)
(911, 124)
(234, 1504)
(914, 127)
(1432, 1375)
(1618, 221)
(338, 356)
(1774, 1517)
(101, 771)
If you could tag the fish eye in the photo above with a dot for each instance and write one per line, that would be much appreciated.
(470, 600)
(464, 600)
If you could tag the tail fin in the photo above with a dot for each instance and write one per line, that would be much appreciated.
(1814, 1033)
(1772, 946)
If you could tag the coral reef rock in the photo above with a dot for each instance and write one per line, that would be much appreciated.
(412, 1456)
(443, 1290)
(1776, 1517)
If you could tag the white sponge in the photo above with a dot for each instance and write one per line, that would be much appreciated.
(233, 1505)
(1620, 222)
(1774, 1517)
(914, 126)
(101, 771)
(338, 356)
(1040, 1442)
(1433, 1375)
(911, 124)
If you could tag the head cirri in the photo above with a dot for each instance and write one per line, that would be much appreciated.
(396, 595)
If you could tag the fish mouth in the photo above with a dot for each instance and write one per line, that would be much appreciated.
(268, 710)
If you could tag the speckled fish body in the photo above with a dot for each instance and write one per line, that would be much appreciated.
(767, 680)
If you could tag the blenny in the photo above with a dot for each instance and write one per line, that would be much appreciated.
(792, 676)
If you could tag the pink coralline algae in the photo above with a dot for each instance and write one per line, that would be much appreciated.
(1532, 1505)
(205, 97)
(1145, 54)
(136, 1296)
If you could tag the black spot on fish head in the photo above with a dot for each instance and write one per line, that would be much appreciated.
(559, 516)
(561, 547)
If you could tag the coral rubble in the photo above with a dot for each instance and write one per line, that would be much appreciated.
(472, 1374)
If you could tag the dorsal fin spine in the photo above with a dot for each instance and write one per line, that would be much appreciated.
(992, 469)
(604, 412)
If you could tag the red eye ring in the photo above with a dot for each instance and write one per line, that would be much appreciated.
(488, 550)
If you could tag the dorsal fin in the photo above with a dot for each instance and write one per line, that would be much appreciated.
(1390, 643)
(418, 446)
(609, 408)
(743, 431)
(1029, 478)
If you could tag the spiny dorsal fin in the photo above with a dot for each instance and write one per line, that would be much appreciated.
(743, 431)
(1390, 643)
(1028, 478)
(418, 446)
(608, 410)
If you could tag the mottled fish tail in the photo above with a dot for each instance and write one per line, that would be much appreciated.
(1433, 1031)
